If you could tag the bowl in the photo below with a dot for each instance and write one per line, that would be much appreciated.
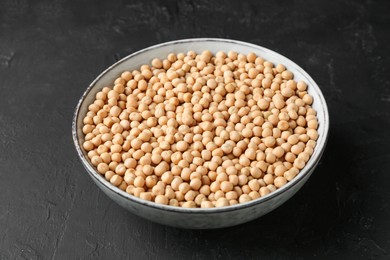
(200, 218)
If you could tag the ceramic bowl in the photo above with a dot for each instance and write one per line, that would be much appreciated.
(198, 218)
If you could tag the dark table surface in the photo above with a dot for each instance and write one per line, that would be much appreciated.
(51, 50)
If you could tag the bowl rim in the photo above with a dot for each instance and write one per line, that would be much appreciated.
(318, 150)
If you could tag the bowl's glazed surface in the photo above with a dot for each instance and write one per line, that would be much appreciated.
(197, 218)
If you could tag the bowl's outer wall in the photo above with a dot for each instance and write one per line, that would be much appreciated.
(202, 219)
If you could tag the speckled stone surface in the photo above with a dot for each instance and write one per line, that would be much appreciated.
(51, 50)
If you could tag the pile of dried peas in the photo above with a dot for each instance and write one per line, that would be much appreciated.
(197, 130)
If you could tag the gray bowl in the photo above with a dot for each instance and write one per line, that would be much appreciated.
(198, 218)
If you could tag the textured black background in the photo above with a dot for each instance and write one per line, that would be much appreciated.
(50, 51)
